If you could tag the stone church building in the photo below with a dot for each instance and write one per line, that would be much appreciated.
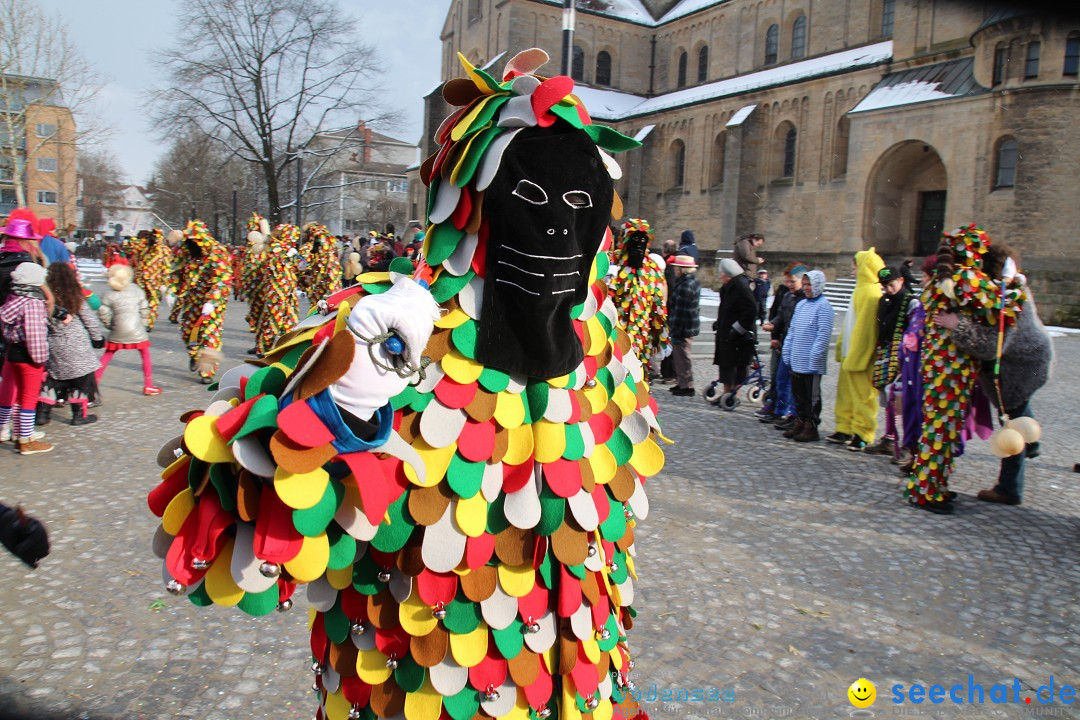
(828, 125)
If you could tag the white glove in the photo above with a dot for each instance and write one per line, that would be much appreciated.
(207, 308)
(409, 311)
(292, 252)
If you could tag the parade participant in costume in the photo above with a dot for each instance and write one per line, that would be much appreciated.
(959, 286)
(911, 394)
(181, 266)
(125, 311)
(461, 506)
(24, 325)
(856, 399)
(206, 295)
(153, 264)
(252, 275)
(324, 267)
(278, 304)
(639, 290)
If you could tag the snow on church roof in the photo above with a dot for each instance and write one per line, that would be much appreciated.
(952, 79)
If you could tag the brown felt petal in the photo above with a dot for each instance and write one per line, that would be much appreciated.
(383, 609)
(429, 650)
(642, 392)
(584, 404)
(247, 497)
(438, 345)
(410, 427)
(626, 540)
(612, 411)
(588, 481)
(567, 652)
(460, 91)
(426, 166)
(479, 584)
(616, 206)
(329, 366)
(590, 589)
(410, 559)
(502, 442)
(482, 407)
(627, 621)
(622, 341)
(203, 482)
(514, 546)
(604, 358)
(524, 667)
(570, 546)
(604, 665)
(387, 699)
(622, 486)
(343, 658)
(190, 415)
(427, 505)
(297, 459)
(476, 216)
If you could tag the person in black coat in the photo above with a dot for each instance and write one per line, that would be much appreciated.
(735, 339)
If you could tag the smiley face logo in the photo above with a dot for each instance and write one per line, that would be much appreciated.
(862, 693)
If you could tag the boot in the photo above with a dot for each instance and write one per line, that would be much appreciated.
(808, 434)
(79, 416)
(795, 429)
(884, 446)
(44, 411)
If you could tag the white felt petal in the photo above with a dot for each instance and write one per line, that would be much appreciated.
(161, 542)
(608, 310)
(583, 509)
(639, 501)
(461, 259)
(432, 375)
(448, 678)
(594, 563)
(579, 376)
(604, 688)
(500, 609)
(650, 417)
(297, 376)
(587, 438)
(353, 521)
(226, 394)
(522, 507)
(540, 641)
(490, 164)
(244, 566)
(517, 383)
(589, 308)
(231, 377)
(525, 85)
(331, 681)
(581, 623)
(618, 370)
(217, 408)
(635, 426)
(400, 587)
(446, 200)
(440, 425)
(365, 641)
(626, 592)
(559, 408)
(471, 297)
(320, 595)
(167, 454)
(444, 543)
(315, 320)
(251, 455)
(633, 366)
(405, 452)
(611, 165)
(526, 62)
(518, 113)
(504, 703)
(491, 486)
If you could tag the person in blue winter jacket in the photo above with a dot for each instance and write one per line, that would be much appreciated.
(806, 350)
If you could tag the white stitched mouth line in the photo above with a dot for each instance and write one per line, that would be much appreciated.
(503, 262)
(560, 292)
(569, 274)
(543, 257)
(500, 280)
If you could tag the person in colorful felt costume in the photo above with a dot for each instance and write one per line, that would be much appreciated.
(205, 297)
(856, 398)
(324, 267)
(251, 273)
(152, 264)
(639, 290)
(181, 267)
(961, 287)
(461, 506)
(278, 303)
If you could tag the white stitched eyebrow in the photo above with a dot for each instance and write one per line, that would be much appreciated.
(560, 292)
(503, 262)
(569, 274)
(544, 257)
(580, 195)
(500, 280)
(530, 186)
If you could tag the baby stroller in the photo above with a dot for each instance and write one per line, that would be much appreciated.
(756, 385)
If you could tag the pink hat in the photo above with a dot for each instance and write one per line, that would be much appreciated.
(686, 261)
(20, 229)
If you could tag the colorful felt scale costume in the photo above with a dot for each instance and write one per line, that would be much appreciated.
(207, 279)
(153, 265)
(639, 290)
(251, 274)
(949, 374)
(323, 264)
(278, 305)
(181, 267)
(464, 521)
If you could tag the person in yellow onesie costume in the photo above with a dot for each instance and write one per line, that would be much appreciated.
(856, 397)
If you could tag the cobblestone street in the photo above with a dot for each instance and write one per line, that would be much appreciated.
(780, 572)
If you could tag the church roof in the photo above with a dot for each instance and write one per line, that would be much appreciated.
(942, 81)
(643, 12)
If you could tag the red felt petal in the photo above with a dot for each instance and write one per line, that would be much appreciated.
(479, 258)
(213, 521)
(579, 330)
(230, 423)
(354, 605)
(535, 604)
(285, 589)
(276, 540)
(585, 675)
(179, 557)
(453, 394)
(550, 92)
(539, 693)
(600, 500)
(319, 642)
(601, 611)
(392, 641)
(356, 691)
(300, 423)
(489, 672)
(460, 217)
(371, 482)
(478, 550)
(515, 476)
(569, 594)
(324, 333)
(394, 471)
(563, 477)
(602, 427)
(160, 497)
(477, 440)
(575, 410)
(435, 588)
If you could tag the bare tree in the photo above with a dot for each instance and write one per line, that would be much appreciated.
(265, 77)
(40, 67)
(102, 181)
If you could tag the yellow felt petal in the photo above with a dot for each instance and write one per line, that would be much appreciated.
(312, 613)
(341, 578)
(592, 650)
(509, 409)
(310, 562)
(466, 122)
(301, 490)
(519, 445)
(342, 316)
(647, 458)
(302, 337)
(469, 649)
(521, 710)
(177, 511)
(167, 472)
(471, 515)
(205, 442)
(436, 460)
(625, 398)
(616, 658)
(460, 368)
(551, 663)
(337, 707)
(560, 382)
(568, 707)
(415, 615)
(470, 70)
(219, 582)
(371, 667)
(373, 278)
(517, 581)
(452, 319)
(549, 440)
(603, 711)
(630, 568)
(595, 336)
(603, 464)
(424, 704)
(597, 397)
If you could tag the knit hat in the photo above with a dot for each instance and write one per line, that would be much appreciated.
(730, 267)
(28, 273)
(685, 261)
(887, 274)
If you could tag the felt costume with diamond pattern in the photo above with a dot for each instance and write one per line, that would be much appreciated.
(467, 541)
(278, 304)
(207, 277)
(639, 290)
(153, 263)
(324, 266)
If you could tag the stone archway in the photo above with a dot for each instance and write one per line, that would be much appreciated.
(905, 200)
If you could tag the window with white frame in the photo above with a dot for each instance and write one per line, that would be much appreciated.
(397, 186)
(45, 130)
(47, 164)
(46, 197)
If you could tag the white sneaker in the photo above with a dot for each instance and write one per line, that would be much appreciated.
(5, 434)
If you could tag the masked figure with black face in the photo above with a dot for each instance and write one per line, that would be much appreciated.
(207, 278)
(639, 291)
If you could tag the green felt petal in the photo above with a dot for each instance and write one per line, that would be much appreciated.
(496, 519)
(269, 380)
(568, 113)
(462, 616)
(263, 415)
(552, 510)
(604, 377)
(613, 635)
(478, 146)
(537, 394)
(221, 476)
(620, 573)
(259, 604)
(392, 536)
(511, 640)
(342, 548)
(575, 312)
(602, 265)
(201, 598)
(421, 402)
(365, 576)
(404, 398)
(315, 519)
(402, 266)
(409, 675)
(375, 288)
(197, 470)
(444, 240)
(465, 477)
(293, 356)
(614, 527)
(464, 337)
(575, 443)
(446, 285)
(547, 569)
(494, 380)
(335, 622)
(577, 571)
(464, 705)
(610, 139)
(620, 446)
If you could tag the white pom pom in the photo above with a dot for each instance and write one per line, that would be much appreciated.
(1028, 428)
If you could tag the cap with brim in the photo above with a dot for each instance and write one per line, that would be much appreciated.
(886, 274)
(686, 261)
(20, 229)
(28, 273)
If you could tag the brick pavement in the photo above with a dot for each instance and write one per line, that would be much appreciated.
(777, 571)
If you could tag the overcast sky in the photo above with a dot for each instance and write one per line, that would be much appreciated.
(120, 37)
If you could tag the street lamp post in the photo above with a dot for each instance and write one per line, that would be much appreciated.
(235, 230)
(568, 20)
